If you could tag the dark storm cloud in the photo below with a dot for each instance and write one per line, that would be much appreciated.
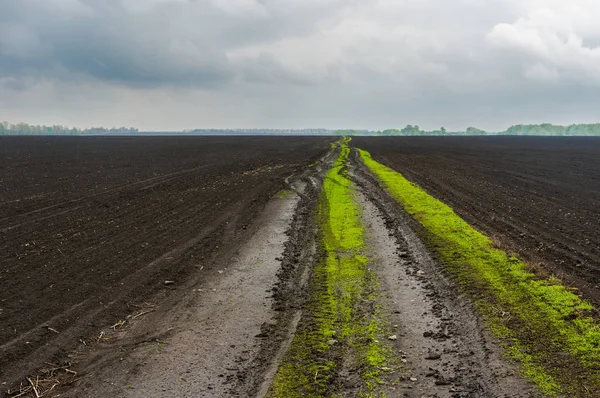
(143, 43)
(105, 42)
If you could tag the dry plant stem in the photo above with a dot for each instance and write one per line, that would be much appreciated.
(37, 394)
(27, 390)
(142, 313)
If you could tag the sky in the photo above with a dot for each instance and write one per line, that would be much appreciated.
(367, 64)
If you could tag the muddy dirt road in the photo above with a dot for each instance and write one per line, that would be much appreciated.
(230, 333)
(315, 282)
(442, 342)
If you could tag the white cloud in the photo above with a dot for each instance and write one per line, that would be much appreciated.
(541, 72)
(553, 34)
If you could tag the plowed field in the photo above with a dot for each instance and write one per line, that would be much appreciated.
(537, 196)
(90, 226)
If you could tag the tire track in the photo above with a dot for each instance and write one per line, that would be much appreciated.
(445, 349)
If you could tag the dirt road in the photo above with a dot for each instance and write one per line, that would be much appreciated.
(324, 288)
(447, 352)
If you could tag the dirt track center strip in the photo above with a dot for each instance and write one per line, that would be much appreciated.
(542, 325)
(337, 333)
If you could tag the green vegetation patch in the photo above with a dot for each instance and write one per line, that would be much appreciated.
(543, 325)
(340, 326)
(285, 193)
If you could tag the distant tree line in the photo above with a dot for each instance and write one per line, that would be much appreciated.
(410, 130)
(544, 129)
(300, 132)
(549, 129)
(28, 129)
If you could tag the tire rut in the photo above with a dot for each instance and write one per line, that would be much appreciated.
(444, 347)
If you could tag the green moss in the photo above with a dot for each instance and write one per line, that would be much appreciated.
(340, 286)
(285, 193)
(542, 323)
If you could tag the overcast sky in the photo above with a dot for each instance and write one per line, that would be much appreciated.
(176, 64)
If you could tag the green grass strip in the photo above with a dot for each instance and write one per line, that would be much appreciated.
(543, 325)
(335, 328)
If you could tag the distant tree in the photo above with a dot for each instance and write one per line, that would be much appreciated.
(544, 129)
(347, 132)
(412, 130)
(583, 130)
(391, 132)
(475, 131)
